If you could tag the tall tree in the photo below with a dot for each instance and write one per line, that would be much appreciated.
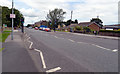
(6, 17)
(97, 20)
(56, 16)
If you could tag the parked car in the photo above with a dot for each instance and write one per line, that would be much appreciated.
(30, 27)
(47, 29)
(42, 27)
(36, 28)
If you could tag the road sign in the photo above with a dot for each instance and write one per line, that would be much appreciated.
(12, 15)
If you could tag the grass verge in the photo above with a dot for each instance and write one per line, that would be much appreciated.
(4, 35)
(1, 49)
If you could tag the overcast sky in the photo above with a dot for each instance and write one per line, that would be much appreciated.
(83, 10)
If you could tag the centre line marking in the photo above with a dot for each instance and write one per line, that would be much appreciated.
(83, 42)
(115, 50)
(71, 40)
(42, 58)
(101, 47)
(55, 36)
(53, 70)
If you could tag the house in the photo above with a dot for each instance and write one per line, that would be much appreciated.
(91, 25)
(111, 27)
(43, 22)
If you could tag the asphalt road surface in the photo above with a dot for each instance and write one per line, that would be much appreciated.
(75, 53)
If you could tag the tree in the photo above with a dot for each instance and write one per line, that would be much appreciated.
(76, 21)
(6, 17)
(56, 16)
(97, 20)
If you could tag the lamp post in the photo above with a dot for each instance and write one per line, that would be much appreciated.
(12, 21)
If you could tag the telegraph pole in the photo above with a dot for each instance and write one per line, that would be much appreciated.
(71, 15)
(12, 21)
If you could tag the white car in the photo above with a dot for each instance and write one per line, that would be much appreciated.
(43, 28)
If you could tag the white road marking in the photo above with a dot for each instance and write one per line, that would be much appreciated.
(55, 36)
(42, 58)
(71, 40)
(53, 70)
(83, 42)
(30, 45)
(115, 50)
(28, 38)
(100, 47)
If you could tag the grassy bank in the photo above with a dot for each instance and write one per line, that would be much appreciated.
(4, 35)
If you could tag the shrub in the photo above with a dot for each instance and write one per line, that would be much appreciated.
(87, 29)
(110, 31)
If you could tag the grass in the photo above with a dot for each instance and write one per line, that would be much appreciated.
(1, 49)
(4, 35)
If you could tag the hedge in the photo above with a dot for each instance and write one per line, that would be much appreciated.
(111, 31)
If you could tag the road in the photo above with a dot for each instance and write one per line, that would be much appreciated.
(75, 53)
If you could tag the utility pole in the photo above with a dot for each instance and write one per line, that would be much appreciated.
(71, 15)
(12, 21)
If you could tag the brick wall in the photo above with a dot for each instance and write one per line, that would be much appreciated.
(94, 27)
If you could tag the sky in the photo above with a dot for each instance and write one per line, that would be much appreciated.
(83, 10)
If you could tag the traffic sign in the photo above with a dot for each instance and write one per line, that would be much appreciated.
(12, 15)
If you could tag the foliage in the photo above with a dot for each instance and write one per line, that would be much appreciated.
(110, 31)
(56, 16)
(78, 28)
(4, 35)
(97, 20)
(70, 21)
(87, 29)
(6, 17)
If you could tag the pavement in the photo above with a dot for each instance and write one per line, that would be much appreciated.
(15, 57)
(75, 53)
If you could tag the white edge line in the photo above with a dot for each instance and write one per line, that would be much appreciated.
(42, 58)
(53, 70)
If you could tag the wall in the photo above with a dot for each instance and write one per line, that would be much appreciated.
(94, 27)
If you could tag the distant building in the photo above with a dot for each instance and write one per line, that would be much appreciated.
(43, 22)
(91, 25)
(111, 27)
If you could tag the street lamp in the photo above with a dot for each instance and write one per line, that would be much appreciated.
(12, 20)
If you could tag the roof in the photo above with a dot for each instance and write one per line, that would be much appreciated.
(72, 25)
(85, 24)
(112, 26)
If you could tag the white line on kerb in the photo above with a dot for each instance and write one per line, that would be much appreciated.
(71, 40)
(53, 70)
(42, 58)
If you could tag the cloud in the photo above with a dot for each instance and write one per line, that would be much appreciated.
(83, 10)
(6, 3)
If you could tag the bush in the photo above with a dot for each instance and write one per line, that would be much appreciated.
(110, 31)
(77, 28)
(87, 29)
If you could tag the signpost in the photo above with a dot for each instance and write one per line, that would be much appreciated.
(12, 16)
